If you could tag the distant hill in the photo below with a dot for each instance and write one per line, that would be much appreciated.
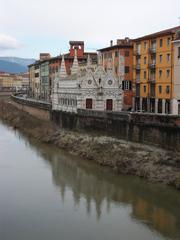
(12, 67)
(14, 64)
(22, 61)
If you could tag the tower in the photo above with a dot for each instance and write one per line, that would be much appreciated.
(75, 65)
(78, 47)
(62, 69)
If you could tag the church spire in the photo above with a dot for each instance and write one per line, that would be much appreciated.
(62, 69)
(75, 65)
(99, 59)
(88, 61)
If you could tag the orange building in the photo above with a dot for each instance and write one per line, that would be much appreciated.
(153, 71)
(120, 58)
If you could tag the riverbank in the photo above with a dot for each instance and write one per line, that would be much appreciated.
(123, 157)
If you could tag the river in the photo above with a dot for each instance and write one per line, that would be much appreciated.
(47, 194)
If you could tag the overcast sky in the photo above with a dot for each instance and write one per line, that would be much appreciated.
(30, 27)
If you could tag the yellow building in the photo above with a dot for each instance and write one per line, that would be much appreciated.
(153, 71)
(12, 82)
(34, 79)
(6, 81)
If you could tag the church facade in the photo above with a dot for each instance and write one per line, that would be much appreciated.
(90, 88)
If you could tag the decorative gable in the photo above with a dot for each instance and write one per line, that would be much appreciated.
(88, 80)
(100, 76)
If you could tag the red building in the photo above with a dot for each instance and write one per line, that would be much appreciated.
(55, 62)
(120, 56)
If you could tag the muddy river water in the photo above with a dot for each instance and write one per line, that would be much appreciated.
(47, 194)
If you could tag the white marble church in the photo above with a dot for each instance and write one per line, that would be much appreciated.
(86, 88)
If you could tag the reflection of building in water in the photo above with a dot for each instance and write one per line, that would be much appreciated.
(150, 206)
(98, 187)
(159, 218)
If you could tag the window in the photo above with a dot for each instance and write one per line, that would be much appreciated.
(153, 44)
(89, 103)
(145, 45)
(168, 57)
(110, 55)
(126, 69)
(144, 74)
(168, 41)
(160, 89)
(160, 58)
(116, 70)
(178, 52)
(126, 85)
(126, 53)
(160, 73)
(144, 88)
(145, 58)
(138, 48)
(109, 104)
(161, 42)
(116, 53)
(167, 89)
(168, 73)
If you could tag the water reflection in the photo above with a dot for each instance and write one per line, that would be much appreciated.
(154, 206)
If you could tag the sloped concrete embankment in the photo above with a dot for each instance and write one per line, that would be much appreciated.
(123, 157)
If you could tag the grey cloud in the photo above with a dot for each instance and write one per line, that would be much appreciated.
(8, 42)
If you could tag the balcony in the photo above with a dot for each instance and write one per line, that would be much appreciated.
(152, 94)
(152, 65)
(137, 52)
(152, 79)
(152, 50)
(138, 66)
(137, 79)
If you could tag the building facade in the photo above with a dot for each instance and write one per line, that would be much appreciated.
(82, 56)
(176, 84)
(42, 73)
(39, 78)
(121, 57)
(87, 88)
(10, 82)
(44, 81)
(153, 72)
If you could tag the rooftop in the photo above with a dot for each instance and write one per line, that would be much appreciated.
(121, 43)
(76, 42)
(159, 34)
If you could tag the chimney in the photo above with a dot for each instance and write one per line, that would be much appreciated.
(111, 43)
(127, 39)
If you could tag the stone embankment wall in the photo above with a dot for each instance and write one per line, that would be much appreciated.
(158, 130)
(36, 108)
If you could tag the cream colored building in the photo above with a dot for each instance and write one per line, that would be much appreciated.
(34, 79)
(10, 82)
(6, 81)
(176, 100)
(17, 82)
